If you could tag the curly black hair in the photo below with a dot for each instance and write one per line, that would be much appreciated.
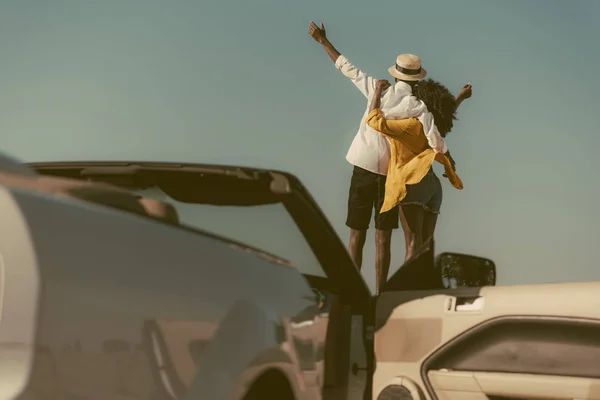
(439, 102)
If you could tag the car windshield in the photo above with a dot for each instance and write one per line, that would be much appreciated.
(266, 227)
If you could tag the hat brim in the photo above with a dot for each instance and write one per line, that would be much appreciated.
(404, 77)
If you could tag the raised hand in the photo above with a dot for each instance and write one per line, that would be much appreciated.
(452, 163)
(317, 33)
(466, 92)
(382, 85)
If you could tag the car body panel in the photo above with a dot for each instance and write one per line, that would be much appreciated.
(477, 343)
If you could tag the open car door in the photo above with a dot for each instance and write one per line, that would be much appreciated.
(484, 343)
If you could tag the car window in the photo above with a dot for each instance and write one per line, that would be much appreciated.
(266, 227)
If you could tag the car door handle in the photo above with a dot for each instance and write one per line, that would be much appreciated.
(356, 369)
(468, 303)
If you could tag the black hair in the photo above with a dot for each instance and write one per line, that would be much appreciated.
(439, 102)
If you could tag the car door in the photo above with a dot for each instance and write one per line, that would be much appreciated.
(488, 343)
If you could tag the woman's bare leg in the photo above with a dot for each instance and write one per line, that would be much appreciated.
(411, 219)
(429, 222)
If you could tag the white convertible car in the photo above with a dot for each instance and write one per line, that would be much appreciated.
(137, 280)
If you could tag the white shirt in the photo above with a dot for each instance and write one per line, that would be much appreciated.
(370, 150)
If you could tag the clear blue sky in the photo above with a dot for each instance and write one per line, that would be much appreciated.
(241, 82)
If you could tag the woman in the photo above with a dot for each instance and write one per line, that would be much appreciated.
(411, 180)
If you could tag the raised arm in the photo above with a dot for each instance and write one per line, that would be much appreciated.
(395, 129)
(362, 81)
(380, 86)
(320, 36)
(431, 132)
(465, 93)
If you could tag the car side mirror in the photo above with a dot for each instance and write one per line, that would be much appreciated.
(464, 270)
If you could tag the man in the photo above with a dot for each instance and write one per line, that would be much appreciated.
(370, 154)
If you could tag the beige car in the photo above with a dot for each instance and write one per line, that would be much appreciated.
(137, 280)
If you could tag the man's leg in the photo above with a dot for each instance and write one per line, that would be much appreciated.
(384, 224)
(356, 245)
(383, 257)
(360, 206)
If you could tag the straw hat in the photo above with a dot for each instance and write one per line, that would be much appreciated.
(408, 68)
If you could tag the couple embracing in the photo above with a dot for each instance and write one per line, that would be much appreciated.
(399, 137)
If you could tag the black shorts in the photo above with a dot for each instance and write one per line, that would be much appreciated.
(367, 192)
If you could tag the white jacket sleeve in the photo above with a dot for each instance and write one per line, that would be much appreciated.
(362, 81)
(431, 132)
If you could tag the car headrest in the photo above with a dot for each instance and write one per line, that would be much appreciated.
(160, 210)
